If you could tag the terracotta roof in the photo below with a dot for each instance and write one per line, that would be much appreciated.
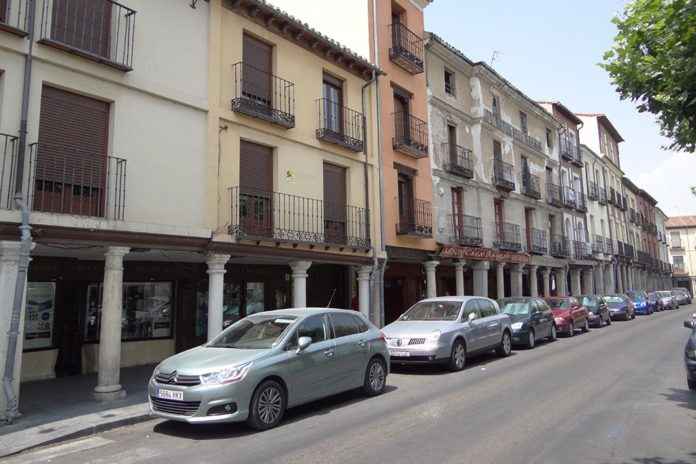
(680, 221)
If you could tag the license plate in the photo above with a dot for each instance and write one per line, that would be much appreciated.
(170, 395)
(399, 354)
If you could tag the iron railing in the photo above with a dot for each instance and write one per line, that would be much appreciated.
(69, 180)
(100, 30)
(592, 191)
(553, 194)
(581, 202)
(8, 169)
(560, 246)
(340, 125)
(678, 269)
(525, 138)
(14, 17)
(531, 185)
(570, 197)
(466, 230)
(507, 236)
(497, 121)
(539, 243)
(410, 135)
(503, 175)
(608, 246)
(612, 196)
(457, 160)
(282, 217)
(598, 245)
(415, 218)
(569, 148)
(624, 203)
(602, 195)
(260, 94)
(632, 216)
(628, 250)
(581, 250)
(406, 48)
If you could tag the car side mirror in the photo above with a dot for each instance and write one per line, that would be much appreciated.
(303, 343)
(471, 317)
(690, 324)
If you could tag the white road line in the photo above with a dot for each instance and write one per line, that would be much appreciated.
(48, 454)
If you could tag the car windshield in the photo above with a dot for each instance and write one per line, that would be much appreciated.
(562, 303)
(613, 299)
(432, 311)
(589, 301)
(254, 333)
(664, 294)
(514, 307)
(652, 297)
(636, 296)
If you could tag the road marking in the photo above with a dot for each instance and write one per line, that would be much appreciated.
(48, 454)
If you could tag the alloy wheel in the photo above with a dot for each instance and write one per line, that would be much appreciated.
(270, 405)
(507, 344)
(459, 356)
(376, 376)
(531, 340)
(554, 335)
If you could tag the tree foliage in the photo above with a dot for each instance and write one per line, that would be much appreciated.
(653, 63)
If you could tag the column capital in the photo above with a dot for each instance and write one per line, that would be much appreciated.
(430, 265)
(364, 273)
(459, 264)
(516, 267)
(300, 268)
(533, 267)
(216, 263)
(117, 251)
(114, 258)
(547, 269)
(500, 264)
(481, 265)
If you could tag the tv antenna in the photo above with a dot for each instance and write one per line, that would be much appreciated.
(494, 56)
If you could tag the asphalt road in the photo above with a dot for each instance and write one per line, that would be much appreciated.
(615, 395)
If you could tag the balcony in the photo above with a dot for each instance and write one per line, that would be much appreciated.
(553, 194)
(560, 246)
(679, 269)
(283, 218)
(539, 244)
(466, 230)
(415, 219)
(622, 202)
(68, 180)
(13, 17)
(98, 30)
(8, 169)
(602, 195)
(592, 191)
(407, 48)
(632, 216)
(457, 160)
(522, 137)
(581, 203)
(620, 248)
(340, 125)
(581, 250)
(570, 197)
(503, 176)
(262, 95)
(608, 246)
(676, 244)
(569, 149)
(628, 251)
(598, 245)
(531, 185)
(507, 237)
(612, 197)
(410, 135)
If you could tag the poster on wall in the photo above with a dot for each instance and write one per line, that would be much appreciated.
(40, 308)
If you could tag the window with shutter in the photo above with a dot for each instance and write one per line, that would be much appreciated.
(335, 221)
(257, 73)
(256, 189)
(83, 24)
(3, 10)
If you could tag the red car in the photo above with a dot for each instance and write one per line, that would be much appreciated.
(569, 314)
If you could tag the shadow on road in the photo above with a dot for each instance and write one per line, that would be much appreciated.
(690, 459)
(234, 430)
(685, 398)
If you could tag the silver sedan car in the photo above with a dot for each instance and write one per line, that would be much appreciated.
(448, 329)
(267, 362)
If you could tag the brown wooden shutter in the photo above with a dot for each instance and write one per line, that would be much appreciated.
(256, 189)
(334, 203)
(258, 67)
(256, 166)
(83, 24)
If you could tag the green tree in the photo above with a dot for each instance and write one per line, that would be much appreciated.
(653, 63)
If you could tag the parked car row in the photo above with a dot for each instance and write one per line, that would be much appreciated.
(270, 361)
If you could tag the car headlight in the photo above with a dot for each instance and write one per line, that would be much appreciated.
(559, 320)
(591, 313)
(691, 354)
(433, 337)
(516, 325)
(227, 375)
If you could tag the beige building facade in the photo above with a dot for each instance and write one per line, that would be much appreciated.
(681, 237)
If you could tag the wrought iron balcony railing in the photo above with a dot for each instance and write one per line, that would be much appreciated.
(560, 246)
(406, 48)
(569, 148)
(581, 250)
(678, 269)
(410, 135)
(539, 244)
(99, 30)
(466, 230)
(340, 125)
(457, 160)
(8, 169)
(608, 246)
(496, 121)
(531, 185)
(613, 197)
(628, 250)
(13, 16)
(69, 180)
(262, 95)
(620, 248)
(553, 194)
(281, 217)
(632, 216)
(592, 193)
(581, 203)
(503, 175)
(624, 203)
(598, 245)
(602, 195)
(570, 197)
(415, 219)
(507, 236)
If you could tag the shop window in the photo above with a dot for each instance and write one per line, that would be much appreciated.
(39, 315)
(147, 311)
(231, 307)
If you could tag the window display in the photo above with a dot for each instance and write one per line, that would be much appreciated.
(39, 315)
(231, 305)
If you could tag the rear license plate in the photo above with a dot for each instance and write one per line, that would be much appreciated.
(399, 354)
(170, 395)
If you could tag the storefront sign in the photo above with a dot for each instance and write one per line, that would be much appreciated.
(483, 254)
(38, 322)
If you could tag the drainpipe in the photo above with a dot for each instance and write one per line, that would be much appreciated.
(12, 403)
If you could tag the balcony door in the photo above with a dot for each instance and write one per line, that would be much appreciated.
(458, 212)
(452, 143)
(3, 11)
(499, 218)
(335, 221)
(257, 72)
(401, 117)
(83, 24)
(256, 189)
(405, 198)
(529, 224)
(71, 156)
(333, 104)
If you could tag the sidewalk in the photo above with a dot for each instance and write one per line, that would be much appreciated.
(58, 409)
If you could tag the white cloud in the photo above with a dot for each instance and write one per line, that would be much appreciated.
(670, 183)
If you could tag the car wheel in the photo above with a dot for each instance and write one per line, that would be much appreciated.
(608, 321)
(692, 384)
(554, 335)
(267, 405)
(505, 347)
(457, 357)
(375, 377)
(586, 327)
(531, 339)
(571, 329)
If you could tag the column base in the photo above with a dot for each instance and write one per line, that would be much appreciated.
(109, 393)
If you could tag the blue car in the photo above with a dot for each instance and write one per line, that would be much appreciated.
(641, 302)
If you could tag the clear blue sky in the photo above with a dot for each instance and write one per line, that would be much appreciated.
(550, 50)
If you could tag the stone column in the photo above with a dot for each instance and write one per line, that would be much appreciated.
(619, 279)
(481, 277)
(430, 278)
(364, 290)
(575, 284)
(216, 286)
(624, 278)
(533, 281)
(561, 282)
(516, 279)
(588, 282)
(599, 279)
(609, 278)
(459, 276)
(546, 273)
(500, 279)
(299, 283)
(109, 373)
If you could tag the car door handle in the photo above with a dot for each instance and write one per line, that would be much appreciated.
(329, 353)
